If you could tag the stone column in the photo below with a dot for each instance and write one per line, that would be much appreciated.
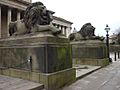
(9, 19)
(0, 21)
(65, 31)
(18, 15)
(68, 30)
(59, 27)
(62, 29)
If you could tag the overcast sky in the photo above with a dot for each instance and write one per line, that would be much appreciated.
(98, 12)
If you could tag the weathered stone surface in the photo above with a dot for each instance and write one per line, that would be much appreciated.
(35, 51)
(52, 81)
(36, 19)
(87, 32)
(91, 52)
(48, 54)
(10, 83)
(51, 60)
(91, 61)
(114, 48)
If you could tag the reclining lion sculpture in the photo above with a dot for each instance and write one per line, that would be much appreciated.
(85, 33)
(36, 19)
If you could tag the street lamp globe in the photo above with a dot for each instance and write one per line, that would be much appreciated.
(107, 28)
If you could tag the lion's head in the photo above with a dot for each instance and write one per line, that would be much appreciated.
(87, 30)
(36, 13)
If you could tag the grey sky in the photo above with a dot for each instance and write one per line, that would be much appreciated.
(98, 12)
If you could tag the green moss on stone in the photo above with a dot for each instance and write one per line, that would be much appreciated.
(105, 62)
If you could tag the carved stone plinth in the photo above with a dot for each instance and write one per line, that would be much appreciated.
(90, 52)
(44, 54)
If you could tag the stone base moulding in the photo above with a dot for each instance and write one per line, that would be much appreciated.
(89, 61)
(51, 81)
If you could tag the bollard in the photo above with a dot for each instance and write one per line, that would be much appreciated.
(115, 57)
(118, 55)
(30, 62)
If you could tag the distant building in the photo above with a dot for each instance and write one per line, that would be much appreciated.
(12, 10)
(63, 25)
(113, 39)
(118, 38)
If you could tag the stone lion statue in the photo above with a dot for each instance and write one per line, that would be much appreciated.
(36, 19)
(86, 32)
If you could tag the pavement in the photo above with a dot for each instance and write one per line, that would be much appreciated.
(10, 83)
(107, 78)
(83, 70)
(87, 78)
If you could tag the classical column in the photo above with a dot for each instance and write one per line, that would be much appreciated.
(18, 15)
(65, 31)
(68, 31)
(59, 27)
(0, 22)
(62, 29)
(9, 19)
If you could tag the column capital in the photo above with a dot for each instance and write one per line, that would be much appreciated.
(1, 5)
(19, 10)
(9, 7)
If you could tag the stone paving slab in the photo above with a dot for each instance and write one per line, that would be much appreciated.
(83, 70)
(10, 83)
(107, 78)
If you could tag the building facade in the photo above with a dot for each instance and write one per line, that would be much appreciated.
(63, 25)
(12, 10)
(115, 38)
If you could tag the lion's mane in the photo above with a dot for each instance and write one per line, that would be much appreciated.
(87, 30)
(34, 15)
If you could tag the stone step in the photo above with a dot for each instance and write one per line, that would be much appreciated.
(10, 83)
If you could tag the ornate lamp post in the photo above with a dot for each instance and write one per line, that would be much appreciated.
(107, 29)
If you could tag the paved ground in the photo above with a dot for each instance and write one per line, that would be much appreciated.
(107, 78)
(82, 70)
(112, 55)
(9, 83)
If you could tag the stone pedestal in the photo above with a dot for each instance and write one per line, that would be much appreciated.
(89, 52)
(42, 54)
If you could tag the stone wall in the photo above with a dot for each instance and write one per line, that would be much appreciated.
(47, 57)
(114, 48)
(52, 81)
(40, 58)
(89, 52)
